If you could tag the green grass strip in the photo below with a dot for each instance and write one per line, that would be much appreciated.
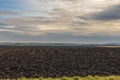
(72, 78)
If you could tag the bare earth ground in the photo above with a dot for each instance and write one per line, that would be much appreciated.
(17, 62)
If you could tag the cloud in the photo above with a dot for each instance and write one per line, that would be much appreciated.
(2, 13)
(37, 26)
(110, 13)
(9, 30)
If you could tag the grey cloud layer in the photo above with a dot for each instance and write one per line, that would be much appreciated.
(2, 13)
(111, 13)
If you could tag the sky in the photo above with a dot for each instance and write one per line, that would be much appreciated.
(60, 21)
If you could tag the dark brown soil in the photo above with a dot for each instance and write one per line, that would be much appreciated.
(58, 61)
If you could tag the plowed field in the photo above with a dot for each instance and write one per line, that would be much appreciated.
(31, 62)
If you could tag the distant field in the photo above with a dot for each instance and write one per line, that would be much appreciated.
(111, 46)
